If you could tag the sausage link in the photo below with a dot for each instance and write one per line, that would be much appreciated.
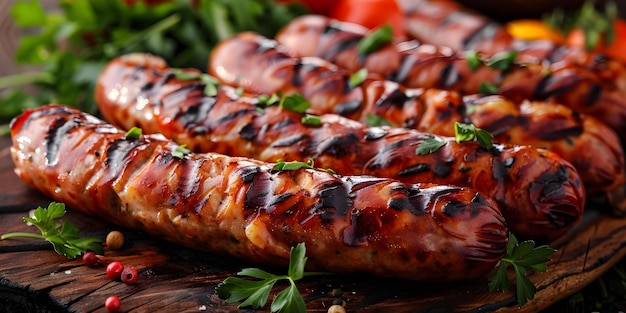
(417, 65)
(223, 123)
(242, 207)
(428, 110)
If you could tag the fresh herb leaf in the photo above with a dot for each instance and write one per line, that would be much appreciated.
(469, 132)
(487, 88)
(502, 61)
(473, 60)
(373, 41)
(65, 238)
(295, 102)
(291, 165)
(181, 151)
(357, 78)
(311, 120)
(429, 145)
(522, 256)
(255, 293)
(133, 133)
(210, 82)
(265, 100)
(375, 120)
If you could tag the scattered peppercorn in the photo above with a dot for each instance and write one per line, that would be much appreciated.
(129, 275)
(335, 308)
(336, 292)
(91, 259)
(115, 240)
(112, 304)
(114, 270)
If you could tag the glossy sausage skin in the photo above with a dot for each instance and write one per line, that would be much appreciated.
(223, 123)
(418, 65)
(554, 127)
(242, 207)
(447, 23)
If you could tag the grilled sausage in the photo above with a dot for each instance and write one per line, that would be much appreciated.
(417, 65)
(244, 208)
(553, 127)
(224, 123)
(446, 23)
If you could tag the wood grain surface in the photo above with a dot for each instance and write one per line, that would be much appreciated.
(177, 279)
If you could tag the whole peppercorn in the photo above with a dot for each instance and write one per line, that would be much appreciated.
(115, 240)
(335, 308)
(129, 275)
(112, 304)
(114, 270)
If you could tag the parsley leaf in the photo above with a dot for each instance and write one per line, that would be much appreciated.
(357, 78)
(473, 60)
(502, 61)
(255, 293)
(487, 88)
(374, 40)
(429, 145)
(265, 100)
(181, 151)
(210, 82)
(311, 120)
(291, 165)
(295, 102)
(375, 120)
(65, 238)
(469, 132)
(522, 256)
(133, 133)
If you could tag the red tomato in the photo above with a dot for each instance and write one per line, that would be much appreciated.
(371, 14)
(616, 49)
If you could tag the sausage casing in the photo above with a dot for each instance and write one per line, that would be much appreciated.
(242, 207)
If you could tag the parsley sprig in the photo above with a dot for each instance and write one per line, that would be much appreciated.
(522, 257)
(255, 293)
(462, 132)
(64, 237)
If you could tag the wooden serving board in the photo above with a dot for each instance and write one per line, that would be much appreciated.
(177, 279)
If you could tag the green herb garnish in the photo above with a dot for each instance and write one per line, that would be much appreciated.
(255, 293)
(469, 132)
(375, 120)
(487, 88)
(473, 60)
(295, 102)
(374, 40)
(181, 151)
(265, 100)
(210, 82)
(64, 237)
(311, 120)
(429, 145)
(522, 257)
(502, 61)
(357, 78)
(133, 133)
(291, 165)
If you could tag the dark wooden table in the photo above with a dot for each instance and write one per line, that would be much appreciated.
(175, 279)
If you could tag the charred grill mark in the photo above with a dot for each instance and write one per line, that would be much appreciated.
(342, 46)
(357, 183)
(477, 202)
(348, 107)
(405, 198)
(188, 186)
(248, 132)
(562, 133)
(547, 87)
(396, 98)
(196, 114)
(57, 132)
(283, 123)
(415, 169)
(449, 76)
(406, 65)
(247, 173)
(595, 91)
(338, 146)
(117, 155)
(551, 184)
(487, 31)
(232, 116)
(500, 170)
(258, 194)
(334, 196)
(298, 70)
(502, 125)
(442, 168)
(289, 141)
(453, 208)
